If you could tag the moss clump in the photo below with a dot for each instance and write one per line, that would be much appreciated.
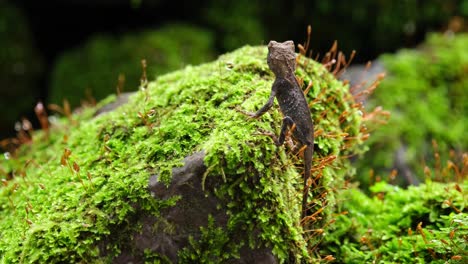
(86, 182)
(97, 65)
(426, 91)
(423, 224)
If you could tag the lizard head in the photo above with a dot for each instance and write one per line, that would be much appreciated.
(281, 58)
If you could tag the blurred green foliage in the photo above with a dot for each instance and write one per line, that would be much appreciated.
(386, 24)
(367, 26)
(20, 67)
(427, 92)
(234, 24)
(424, 224)
(99, 62)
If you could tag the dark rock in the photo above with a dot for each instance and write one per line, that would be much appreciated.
(121, 100)
(400, 163)
(168, 233)
(257, 256)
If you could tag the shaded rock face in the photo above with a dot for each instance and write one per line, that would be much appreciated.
(167, 234)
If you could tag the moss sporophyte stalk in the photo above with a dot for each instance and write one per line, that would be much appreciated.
(78, 195)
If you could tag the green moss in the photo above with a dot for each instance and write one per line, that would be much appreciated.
(210, 247)
(97, 65)
(384, 228)
(426, 92)
(56, 213)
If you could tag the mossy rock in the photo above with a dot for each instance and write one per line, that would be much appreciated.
(82, 193)
(96, 66)
(426, 91)
(20, 67)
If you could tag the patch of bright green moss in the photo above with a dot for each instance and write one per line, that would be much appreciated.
(384, 228)
(54, 210)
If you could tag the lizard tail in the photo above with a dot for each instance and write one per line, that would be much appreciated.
(307, 168)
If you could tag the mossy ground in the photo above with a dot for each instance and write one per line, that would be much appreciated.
(421, 224)
(84, 182)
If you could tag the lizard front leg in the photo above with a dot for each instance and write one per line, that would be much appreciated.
(262, 110)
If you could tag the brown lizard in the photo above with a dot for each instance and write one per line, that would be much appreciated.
(297, 118)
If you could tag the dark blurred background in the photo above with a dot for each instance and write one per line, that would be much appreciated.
(77, 49)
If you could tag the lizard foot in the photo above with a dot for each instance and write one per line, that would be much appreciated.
(250, 115)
